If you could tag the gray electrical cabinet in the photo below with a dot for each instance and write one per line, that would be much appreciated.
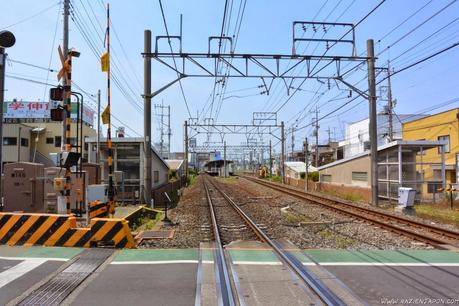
(23, 187)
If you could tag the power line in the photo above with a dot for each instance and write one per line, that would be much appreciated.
(175, 64)
(31, 16)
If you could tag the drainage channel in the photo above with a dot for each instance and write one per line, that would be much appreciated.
(59, 287)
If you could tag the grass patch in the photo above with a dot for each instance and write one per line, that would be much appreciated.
(274, 178)
(438, 212)
(349, 196)
(192, 178)
(326, 234)
(146, 223)
(344, 243)
(295, 219)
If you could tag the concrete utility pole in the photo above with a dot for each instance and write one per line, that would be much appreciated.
(282, 152)
(316, 132)
(293, 143)
(270, 159)
(98, 128)
(391, 105)
(147, 117)
(185, 144)
(306, 161)
(169, 131)
(224, 158)
(65, 50)
(373, 123)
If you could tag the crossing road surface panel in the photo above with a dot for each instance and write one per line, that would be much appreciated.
(169, 277)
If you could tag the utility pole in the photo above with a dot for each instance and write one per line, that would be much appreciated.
(185, 144)
(293, 143)
(98, 128)
(329, 135)
(147, 117)
(373, 123)
(391, 105)
(270, 159)
(169, 131)
(316, 133)
(224, 158)
(282, 152)
(306, 161)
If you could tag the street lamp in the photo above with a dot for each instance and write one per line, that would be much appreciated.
(7, 40)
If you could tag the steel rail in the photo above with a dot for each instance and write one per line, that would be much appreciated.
(220, 258)
(448, 237)
(310, 280)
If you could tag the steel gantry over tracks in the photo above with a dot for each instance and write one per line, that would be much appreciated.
(267, 67)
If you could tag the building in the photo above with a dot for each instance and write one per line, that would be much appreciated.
(357, 136)
(296, 168)
(29, 124)
(400, 164)
(128, 158)
(443, 126)
(17, 144)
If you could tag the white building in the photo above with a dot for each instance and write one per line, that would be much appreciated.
(357, 137)
(128, 157)
(295, 168)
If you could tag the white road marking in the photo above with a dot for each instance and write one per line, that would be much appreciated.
(34, 258)
(19, 270)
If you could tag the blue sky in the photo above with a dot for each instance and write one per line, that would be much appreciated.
(266, 28)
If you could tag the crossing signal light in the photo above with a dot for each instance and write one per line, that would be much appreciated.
(57, 114)
(56, 94)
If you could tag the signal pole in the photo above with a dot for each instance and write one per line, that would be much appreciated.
(98, 128)
(65, 50)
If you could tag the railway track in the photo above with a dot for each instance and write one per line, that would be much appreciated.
(433, 235)
(229, 292)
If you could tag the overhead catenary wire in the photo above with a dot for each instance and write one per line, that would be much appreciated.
(175, 64)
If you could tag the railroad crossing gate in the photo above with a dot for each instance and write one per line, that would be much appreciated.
(17, 229)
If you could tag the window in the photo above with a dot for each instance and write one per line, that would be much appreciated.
(155, 176)
(57, 141)
(325, 178)
(359, 176)
(24, 142)
(49, 140)
(10, 141)
(444, 138)
(366, 145)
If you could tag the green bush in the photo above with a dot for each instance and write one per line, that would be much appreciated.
(172, 174)
(313, 176)
(302, 175)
